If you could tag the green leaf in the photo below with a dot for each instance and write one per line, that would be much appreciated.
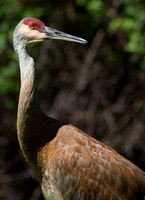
(7, 85)
(3, 42)
(95, 6)
(114, 25)
(80, 2)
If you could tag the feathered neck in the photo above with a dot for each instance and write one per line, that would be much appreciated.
(28, 93)
(28, 109)
(34, 128)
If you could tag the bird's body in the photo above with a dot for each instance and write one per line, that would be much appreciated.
(70, 164)
(79, 167)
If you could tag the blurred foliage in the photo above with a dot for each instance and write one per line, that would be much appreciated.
(131, 23)
(102, 82)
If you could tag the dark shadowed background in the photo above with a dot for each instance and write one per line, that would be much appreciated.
(99, 87)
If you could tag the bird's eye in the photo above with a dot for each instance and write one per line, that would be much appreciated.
(32, 26)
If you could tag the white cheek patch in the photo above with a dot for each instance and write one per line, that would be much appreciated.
(34, 34)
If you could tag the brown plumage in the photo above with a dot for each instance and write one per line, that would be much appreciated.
(70, 164)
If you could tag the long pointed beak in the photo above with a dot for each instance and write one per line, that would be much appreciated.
(52, 34)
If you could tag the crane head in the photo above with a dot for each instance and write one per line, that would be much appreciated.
(31, 31)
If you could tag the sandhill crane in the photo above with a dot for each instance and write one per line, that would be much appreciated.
(70, 164)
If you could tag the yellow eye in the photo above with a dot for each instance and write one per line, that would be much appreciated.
(32, 26)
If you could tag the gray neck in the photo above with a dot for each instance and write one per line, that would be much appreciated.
(28, 83)
(27, 67)
(29, 109)
(29, 112)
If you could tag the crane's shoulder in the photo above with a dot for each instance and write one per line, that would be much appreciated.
(69, 134)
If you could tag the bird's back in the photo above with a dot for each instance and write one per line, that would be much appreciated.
(78, 167)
